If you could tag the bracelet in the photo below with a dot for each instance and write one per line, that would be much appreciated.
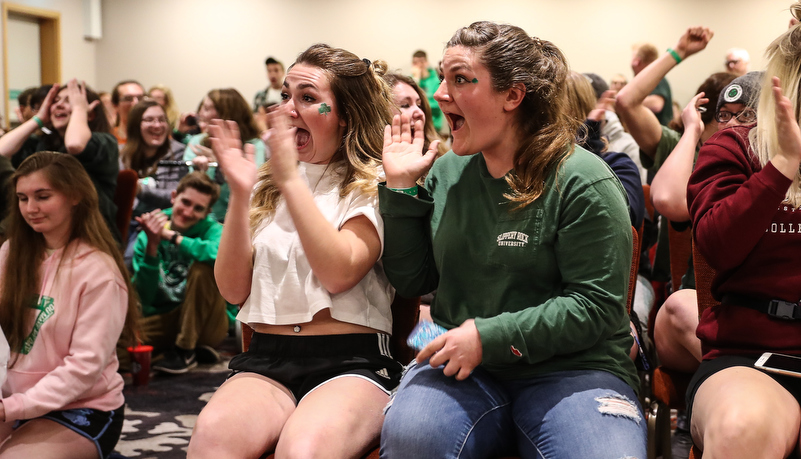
(174, 238)
(409, 191)
(38, 121)
(675, 55)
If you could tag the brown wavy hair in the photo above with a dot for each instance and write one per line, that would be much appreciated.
(21, 279)
(363, 101)
(133, 153)
(547, 131)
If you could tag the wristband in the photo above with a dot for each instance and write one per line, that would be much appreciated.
(174, 238)
(675, 55)
(409, 191)
(38, 121)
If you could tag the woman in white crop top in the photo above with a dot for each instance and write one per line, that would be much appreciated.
(300, 250)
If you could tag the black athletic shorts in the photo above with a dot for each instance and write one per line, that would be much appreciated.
(303, 363)
(710, 367)
(103, 428)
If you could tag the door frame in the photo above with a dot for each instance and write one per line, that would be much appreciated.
(49, 46)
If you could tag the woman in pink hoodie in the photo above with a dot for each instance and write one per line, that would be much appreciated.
(63, 304)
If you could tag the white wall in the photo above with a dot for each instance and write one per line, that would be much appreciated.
(193, 46)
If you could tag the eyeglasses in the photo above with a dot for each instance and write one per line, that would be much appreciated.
(131, 98)
(746, 116)
(154, 120)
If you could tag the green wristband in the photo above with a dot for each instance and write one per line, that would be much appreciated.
(675, 55)
(410, 191)
(38, 121)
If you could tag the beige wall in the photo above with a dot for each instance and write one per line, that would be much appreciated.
(193, 46)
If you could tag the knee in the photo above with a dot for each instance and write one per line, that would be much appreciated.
(736, 430)
(209, 435)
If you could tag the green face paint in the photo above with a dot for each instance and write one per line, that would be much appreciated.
(324, 109)
(475, 80)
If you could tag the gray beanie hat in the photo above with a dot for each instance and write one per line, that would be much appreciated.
(742, 90)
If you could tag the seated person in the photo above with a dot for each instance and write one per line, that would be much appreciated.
(173, 272)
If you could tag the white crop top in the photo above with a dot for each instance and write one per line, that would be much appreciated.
(285, 291)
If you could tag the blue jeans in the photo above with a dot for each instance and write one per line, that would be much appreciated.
(570, 414)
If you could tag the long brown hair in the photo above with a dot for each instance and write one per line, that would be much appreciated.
(133, 153)
(26, 251)
(362, 100)
(230, 105)
(548, 133)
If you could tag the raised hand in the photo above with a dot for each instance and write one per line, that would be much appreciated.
(458, 349)
(283, 150)
(238, 166)
(77, 96)
(403, 157)
(694, 39)
(691, 116)
(788, 158)
(44, 109)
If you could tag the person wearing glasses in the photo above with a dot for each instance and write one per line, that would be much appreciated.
(124, 96)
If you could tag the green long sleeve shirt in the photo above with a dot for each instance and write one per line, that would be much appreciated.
(160, 281)
(546, 284)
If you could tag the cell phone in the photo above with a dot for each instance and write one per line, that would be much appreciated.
(780, 363)
(423, 333)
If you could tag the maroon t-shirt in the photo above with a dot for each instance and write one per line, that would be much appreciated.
(751, 239)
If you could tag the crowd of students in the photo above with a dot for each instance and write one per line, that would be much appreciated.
(309, 213)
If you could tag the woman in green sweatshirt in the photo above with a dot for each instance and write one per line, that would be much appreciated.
(527, 240)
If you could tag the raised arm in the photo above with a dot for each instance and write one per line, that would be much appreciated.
(669, 187)
(12, 141)
(339, 257)
(640, 120)
(78, 133)
(233, 269)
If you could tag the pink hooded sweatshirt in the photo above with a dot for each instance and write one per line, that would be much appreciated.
(68, 360)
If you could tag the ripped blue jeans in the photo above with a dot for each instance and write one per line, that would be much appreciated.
(584, 414)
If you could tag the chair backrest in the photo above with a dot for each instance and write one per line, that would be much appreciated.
(649, 205)
(405, 313)
(704, 274)
(124, 198)
(681, 248)
(635, 266)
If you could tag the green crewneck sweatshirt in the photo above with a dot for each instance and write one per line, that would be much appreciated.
(546, 284)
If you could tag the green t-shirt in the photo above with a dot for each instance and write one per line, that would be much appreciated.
(546, 284)
(666, 114)
(430, 86)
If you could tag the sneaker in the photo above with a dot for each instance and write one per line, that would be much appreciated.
(176, 361)
(207, 354)
(681, 444)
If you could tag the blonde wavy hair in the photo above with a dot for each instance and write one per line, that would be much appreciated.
(784, 61)
(363, 101)
(548, 132)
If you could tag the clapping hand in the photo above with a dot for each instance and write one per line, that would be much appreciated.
(403, 156)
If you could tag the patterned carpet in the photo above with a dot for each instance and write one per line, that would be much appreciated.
(159, 417)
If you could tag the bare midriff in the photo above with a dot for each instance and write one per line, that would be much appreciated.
(321, 324)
